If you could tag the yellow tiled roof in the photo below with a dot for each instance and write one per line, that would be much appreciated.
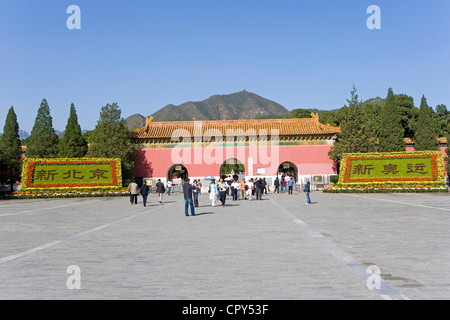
(442, 140)
(285, 127)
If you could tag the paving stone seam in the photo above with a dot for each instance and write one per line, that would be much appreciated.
(47, 208)
(385, 290)
(77, 235)
(401, 202)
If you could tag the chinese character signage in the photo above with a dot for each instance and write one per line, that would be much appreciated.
(423, 166)
(65, 172)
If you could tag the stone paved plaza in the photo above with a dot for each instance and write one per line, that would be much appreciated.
(277, 248)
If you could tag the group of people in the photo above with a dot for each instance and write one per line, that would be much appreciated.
(245, 190)
(144, 190)
(219, 191)
(285, 182)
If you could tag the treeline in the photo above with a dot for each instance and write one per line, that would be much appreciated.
(109, 139)
(382, 125)
(407, 112)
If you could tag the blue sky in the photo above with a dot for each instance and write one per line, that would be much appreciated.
(150, 53)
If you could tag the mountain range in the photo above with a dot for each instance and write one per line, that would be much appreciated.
(235, 106)
(22, 134)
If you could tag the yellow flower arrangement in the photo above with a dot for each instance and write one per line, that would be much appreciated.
(383, 171)
(107, 173)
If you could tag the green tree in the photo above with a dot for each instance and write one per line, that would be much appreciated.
(373, 113)
(329, 117)
(391, 133)
(10, 150)
(72, 144)
(408, 113)
(87, 136)
(425, 137)
(110, 139)
(357, 133)
(43, 141)
(443, 119)
(299, 113)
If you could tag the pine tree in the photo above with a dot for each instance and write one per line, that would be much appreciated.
(11, 150)
(43, 141)
(425, 137)
(442, 119)
(110, 139)
(357, 133)
(408, 113)
(391, 135)
(72, 144)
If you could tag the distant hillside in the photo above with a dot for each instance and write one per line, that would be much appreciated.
(22, 134)
(135, 121)
(235, 106)
(378, 101)
(240, 105)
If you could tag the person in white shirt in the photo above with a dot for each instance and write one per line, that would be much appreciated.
(250, 189)
(213, 191)
(222, 191)
(235, 189)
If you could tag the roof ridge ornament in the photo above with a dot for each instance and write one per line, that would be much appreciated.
(315, 116)
(148, 121)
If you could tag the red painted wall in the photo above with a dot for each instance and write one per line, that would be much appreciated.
(309, 159)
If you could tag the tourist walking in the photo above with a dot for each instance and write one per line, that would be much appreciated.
(187, 193)
(133, 189)
(250, 189)
(307, 190)
(235, 189)
(264, 183)
(290, 185)
(144, 193)
(213, 191)
(242, 189)
(277, 185)
(160, 190)
(199, 184)
(169, 187)
(222, 191)
(283, 185)
(195, 193)
(258, 189)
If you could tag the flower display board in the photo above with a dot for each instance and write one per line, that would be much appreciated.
(71, 173)
(419, 170)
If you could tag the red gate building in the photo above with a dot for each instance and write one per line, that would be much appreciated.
(266, 148)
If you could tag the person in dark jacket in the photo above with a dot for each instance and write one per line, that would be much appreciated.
(160, 189)
(195, 193)
(187, 192)
(307, 191)
(277, 185)
(144, 193)
(259, 188)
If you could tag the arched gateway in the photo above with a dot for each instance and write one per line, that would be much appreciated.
(288, 169)
(177, 171)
